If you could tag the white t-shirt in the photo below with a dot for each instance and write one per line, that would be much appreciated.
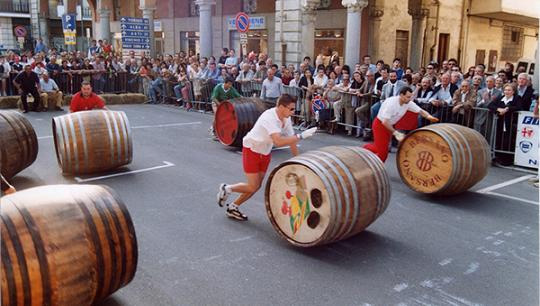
(259, 140)
(392, 111)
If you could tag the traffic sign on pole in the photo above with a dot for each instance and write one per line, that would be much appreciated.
(20, 31)
(135, 33)
(242, 22)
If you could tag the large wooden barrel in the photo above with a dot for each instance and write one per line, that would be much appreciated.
(443, 159)
(18, 143)
(65, 245)
(326, 195)
(236, 117)
(92, 141)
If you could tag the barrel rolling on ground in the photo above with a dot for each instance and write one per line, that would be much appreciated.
(443, 159)
(92, 141)
(18, 143)
(65, 245)
(326, 195)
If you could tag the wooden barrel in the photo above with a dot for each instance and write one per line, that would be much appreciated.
(65, 245)
(92, 141)
(443, 159)
(18, 143)
(326, 195)
(236, 117)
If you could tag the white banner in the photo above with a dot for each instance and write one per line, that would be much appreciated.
(255, 23)
(526, 154)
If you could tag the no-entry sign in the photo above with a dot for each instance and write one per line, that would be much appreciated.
(242, 22)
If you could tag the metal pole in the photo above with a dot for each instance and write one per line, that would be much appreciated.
(82, 26)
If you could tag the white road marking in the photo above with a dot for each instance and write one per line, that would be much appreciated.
(165, 125)
(401, 287)
(473, 266)
(166, 165)
(44, 137)
(445, 261)
(241, 239)
(504, 184)
(511, 197)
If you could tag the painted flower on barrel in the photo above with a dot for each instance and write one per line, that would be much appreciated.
(296, 206)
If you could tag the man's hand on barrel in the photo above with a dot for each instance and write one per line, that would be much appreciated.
(399, 136)
(308, 133)
(432, 119)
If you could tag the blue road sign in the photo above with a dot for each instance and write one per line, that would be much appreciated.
(136, 40)
(127, 33)
(136, 46)
(242, 22)
(134, 20)
(68, 21)
(134, 27)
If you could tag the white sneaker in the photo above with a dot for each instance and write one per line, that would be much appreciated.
(222, 195)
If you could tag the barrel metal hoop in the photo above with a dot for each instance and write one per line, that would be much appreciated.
(59, 142)
(329, 189)
(7, 266)
(381, 198)
(356, 206)
(125, 136)
(116, 131)
(339, 203)
(470, 157)
(68, 167)
(129, 139)
(74, 142)
(111, 139)
(84, 143)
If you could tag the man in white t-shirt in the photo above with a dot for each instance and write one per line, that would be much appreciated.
(392, 110)
(273, 128)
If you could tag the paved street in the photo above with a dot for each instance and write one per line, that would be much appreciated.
(470, 249)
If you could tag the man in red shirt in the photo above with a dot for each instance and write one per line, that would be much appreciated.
(86, 99)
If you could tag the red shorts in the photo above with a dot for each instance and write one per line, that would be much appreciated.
(254, 162)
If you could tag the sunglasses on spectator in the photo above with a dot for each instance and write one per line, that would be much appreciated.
(430, 68)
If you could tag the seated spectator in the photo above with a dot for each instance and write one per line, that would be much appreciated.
(86, 99)
(156, 86)
(464, 100)
(442, 98)
(50, 93)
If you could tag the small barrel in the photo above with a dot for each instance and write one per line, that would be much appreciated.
(92, 141)
(326, 195)
(443, 159)
(18, 143)
(65, 245)
(236, 117)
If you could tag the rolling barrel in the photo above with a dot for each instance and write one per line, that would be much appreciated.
(326, 195)
(92, 141)
(443, 159)
(65, 245)
(18, 143)
(236, 117)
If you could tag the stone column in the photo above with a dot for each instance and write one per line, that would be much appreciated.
(352, 37)
(375, 15)
(418, 14)
(148, 12)
(104, 27)
(205, 27)
(309, 12)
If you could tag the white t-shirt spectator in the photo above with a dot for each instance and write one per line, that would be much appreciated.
(392, 111)
(48, 86)
(259, 140)
(321, 82)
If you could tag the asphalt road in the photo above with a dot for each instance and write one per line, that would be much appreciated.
(470, 249)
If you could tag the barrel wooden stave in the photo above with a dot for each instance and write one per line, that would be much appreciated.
(356, 192)
(18, 143)
(92, 141)
(467, 163)
(245, 112)
(45, 264)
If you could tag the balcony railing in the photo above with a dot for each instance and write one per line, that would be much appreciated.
(14, 6)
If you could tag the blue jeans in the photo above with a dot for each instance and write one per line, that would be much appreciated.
(178, 91)
(154, 90)
(375, 110)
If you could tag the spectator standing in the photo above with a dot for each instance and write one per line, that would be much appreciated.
(271, 88)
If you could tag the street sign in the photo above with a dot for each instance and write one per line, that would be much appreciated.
(243, 41)
(20, 31)
(242, 22)
(70, 32)
(135, 33)
(136, 40)
(127, 33)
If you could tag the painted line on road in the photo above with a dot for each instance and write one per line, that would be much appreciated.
(166, 165)
(44, 137)
(165, 125)
(511, 197)
(504, 184)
